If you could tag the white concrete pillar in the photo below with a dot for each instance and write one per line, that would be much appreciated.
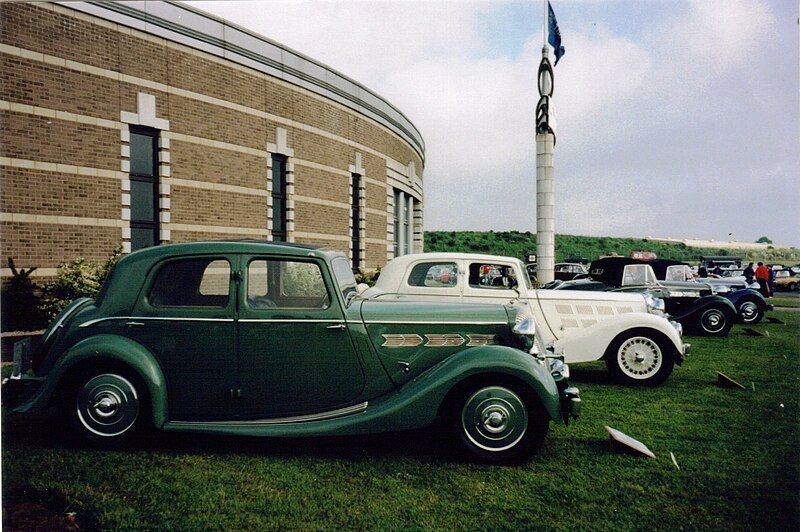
(410, 225)
(545, 208)
(401, 216)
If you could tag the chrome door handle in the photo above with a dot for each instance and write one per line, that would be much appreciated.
(134, 324)
(337, 326)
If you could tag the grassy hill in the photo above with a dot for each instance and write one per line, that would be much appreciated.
(517, 244)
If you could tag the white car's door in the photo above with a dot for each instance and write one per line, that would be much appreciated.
(489, 281)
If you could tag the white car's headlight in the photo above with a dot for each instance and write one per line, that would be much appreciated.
(654, 304)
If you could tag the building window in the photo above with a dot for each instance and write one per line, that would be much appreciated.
(144, 187)
(398, 224)
(279, 198)
(356, 227)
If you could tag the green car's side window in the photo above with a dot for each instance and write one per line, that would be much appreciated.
(275, 283)
(197, 282)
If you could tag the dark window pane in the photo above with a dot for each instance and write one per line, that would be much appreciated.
(192, 283)
(142, 238)
(143, 196)
(278, 174)
(278, 206)
(143, 149)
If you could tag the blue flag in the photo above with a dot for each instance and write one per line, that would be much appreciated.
(554, 34)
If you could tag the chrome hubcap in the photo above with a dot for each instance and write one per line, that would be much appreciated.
(494, 418)
(713, 320)
(749, 311)
(108, 405)
(639, 357)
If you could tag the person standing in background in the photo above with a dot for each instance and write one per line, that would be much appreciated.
(771, 280)
(749, 273)
(762, 276)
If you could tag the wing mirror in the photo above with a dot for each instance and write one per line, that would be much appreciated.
(361, 287)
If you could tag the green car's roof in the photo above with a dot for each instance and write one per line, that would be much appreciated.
(232, 246)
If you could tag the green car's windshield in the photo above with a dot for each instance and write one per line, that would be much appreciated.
(345, 279)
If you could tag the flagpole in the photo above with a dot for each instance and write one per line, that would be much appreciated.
(544, 24)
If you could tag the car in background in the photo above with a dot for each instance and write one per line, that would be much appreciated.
(750, 304)
(627, 331)
(268, 339)
(786, 280)
(567, 271)
(694, 305)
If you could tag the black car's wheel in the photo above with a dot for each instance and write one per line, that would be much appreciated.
(750, 313)
(715, 321)
(498, 424)
(106, 408)
(640, 358)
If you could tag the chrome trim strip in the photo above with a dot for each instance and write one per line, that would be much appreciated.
(346, 411)
(444, 340)
(482, 339)
(401, 340)
(153, 318)
(278, 320)
(404, 322)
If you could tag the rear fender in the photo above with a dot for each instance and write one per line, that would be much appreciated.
(591, 343)
(104, 348)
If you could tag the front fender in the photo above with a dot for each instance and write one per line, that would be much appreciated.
(590, 343)
(739, 296)
(702, 304)
(104, 347)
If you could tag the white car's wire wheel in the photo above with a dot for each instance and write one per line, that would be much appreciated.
(107, 407)
(750, 313)
(639, 358)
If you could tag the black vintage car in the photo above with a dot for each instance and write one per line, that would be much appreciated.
(750, 304)
(692, 304)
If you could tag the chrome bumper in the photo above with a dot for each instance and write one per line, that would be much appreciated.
(571, 403)
(677, 326)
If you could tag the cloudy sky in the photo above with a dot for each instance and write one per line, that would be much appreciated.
(674, 118)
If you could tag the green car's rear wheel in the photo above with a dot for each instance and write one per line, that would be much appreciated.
(498, 424)
(106, 408)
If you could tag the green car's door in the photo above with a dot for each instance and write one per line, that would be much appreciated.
(185, 317)
(295, 352)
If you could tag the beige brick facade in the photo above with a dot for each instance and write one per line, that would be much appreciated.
(74, 81)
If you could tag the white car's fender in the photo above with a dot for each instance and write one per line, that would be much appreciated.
(591, 343)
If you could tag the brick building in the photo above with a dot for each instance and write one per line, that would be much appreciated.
(140, 123)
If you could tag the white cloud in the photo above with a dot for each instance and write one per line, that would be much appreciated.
(651, 124)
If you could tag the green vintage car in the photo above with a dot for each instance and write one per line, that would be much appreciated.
(268, 339)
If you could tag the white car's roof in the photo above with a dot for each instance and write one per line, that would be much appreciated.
(392, 274)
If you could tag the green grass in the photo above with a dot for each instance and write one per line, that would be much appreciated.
(785, 301)
(517, 244)
(737, 450)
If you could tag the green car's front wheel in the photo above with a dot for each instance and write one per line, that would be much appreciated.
(106, 408)
(499, 425)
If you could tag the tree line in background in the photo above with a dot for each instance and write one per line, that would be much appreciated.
(519, 244)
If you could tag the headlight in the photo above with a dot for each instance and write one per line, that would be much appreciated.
(654, 304)
(525, 327)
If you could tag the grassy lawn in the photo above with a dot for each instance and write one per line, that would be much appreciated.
(737, 451)
(785, 301)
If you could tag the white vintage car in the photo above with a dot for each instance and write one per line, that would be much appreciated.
(629, 331)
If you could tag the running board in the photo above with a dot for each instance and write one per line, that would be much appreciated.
(341, 412)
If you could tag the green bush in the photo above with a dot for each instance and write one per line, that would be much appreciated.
(368, 276)
(20, 301)
(76, 279)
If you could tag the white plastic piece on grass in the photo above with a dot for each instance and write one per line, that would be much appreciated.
(674, 461)
(621, 442)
